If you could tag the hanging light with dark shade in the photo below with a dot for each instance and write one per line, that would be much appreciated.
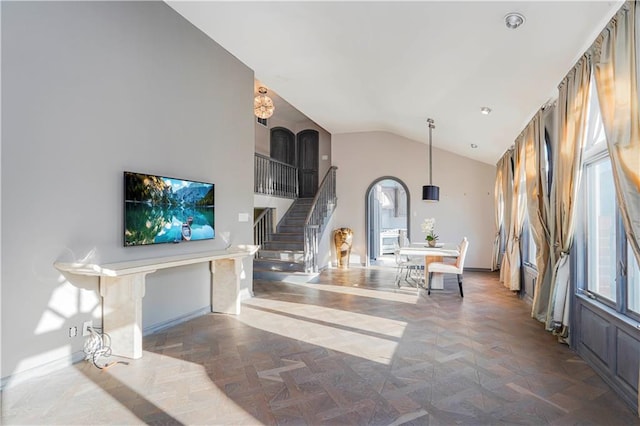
(430, 192)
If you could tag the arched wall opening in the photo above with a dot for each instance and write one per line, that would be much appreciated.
(387, 202)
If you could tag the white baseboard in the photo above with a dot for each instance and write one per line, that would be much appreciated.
(245, 294)
(175, 321)
(41, 370)
(48, 368)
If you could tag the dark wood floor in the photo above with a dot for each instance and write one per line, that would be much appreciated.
(348, 348)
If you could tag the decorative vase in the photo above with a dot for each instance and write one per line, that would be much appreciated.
(432, 243)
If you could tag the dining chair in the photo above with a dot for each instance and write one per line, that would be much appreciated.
(407, 265)
(450, 268)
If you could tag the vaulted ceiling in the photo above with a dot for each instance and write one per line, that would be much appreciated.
(389, 65)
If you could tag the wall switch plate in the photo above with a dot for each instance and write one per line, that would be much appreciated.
(85, 328)
(243, 217)
(73, 331)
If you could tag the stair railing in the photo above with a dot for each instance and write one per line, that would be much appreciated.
(272, 177)
(263, 227)
(323, 205)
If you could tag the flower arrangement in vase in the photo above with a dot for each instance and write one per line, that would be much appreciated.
(428, 227)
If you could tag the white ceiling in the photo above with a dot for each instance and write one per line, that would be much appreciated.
(388, 66)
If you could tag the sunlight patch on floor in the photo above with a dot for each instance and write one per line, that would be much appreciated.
(403, 294)
(360, 335)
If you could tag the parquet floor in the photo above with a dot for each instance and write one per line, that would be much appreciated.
(348, 349)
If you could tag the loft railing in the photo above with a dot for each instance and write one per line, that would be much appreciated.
(263, 227)
(274, 177)
(324, 203)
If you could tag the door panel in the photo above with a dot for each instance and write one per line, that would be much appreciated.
(283, 146)
(308, 163)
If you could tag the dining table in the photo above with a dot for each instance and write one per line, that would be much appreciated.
(431, 254)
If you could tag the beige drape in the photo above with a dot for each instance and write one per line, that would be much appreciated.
(507, 192)
(538, 210)
(518, 204)
(499, 215)
(567, 171)
(616, 77)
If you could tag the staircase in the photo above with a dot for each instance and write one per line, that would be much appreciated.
(283, 253)
(294, 247)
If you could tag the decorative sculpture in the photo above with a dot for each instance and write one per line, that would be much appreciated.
(342, 238)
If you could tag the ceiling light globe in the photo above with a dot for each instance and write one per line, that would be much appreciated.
(513, 20)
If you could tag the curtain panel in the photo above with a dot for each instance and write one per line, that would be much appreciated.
(507, 191)
(567, 172)
(499, 215)
(518, 204)
(616, 75)
(538, 210)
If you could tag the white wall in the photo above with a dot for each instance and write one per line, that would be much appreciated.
(90, 89)
(281, 205)
(466, 190)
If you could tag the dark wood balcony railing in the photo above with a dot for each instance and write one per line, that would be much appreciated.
(275, 178)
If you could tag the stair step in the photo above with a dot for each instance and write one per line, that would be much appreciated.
(283, 245)
(285, 255)
(291, 229)
(301, 213)
(293, 221)
(282, 236)
(277, 265)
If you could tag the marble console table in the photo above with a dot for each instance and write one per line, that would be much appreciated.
(122, 287)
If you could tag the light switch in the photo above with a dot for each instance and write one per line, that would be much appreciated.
(325, 157)
(243, 217)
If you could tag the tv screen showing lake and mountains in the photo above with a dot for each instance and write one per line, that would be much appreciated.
(160, 209)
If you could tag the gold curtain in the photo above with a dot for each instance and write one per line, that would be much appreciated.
(538, 210)
(507, 192)
(518, 204)
(567, 171)
(614, 62)
(499, 215)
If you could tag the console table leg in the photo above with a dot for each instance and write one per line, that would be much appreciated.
(122, 313)
(225, 285)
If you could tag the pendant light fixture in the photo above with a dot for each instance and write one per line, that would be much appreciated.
(262, 104)
(430, 192)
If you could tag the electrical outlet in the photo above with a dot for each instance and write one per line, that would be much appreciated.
(85, 328)
(73, 331)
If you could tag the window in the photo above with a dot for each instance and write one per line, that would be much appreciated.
(606, 264)
(601, 214)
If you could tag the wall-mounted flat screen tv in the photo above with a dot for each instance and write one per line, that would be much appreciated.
(159, 209)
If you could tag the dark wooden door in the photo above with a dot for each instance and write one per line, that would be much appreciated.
(308, 163)
(283, 145)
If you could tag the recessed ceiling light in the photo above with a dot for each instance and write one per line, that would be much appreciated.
(485, 110)
(474, 146)
(513, 20)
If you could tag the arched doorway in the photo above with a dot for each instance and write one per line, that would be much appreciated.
(386, 217)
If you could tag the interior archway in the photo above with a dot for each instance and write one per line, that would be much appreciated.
(387, 202)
